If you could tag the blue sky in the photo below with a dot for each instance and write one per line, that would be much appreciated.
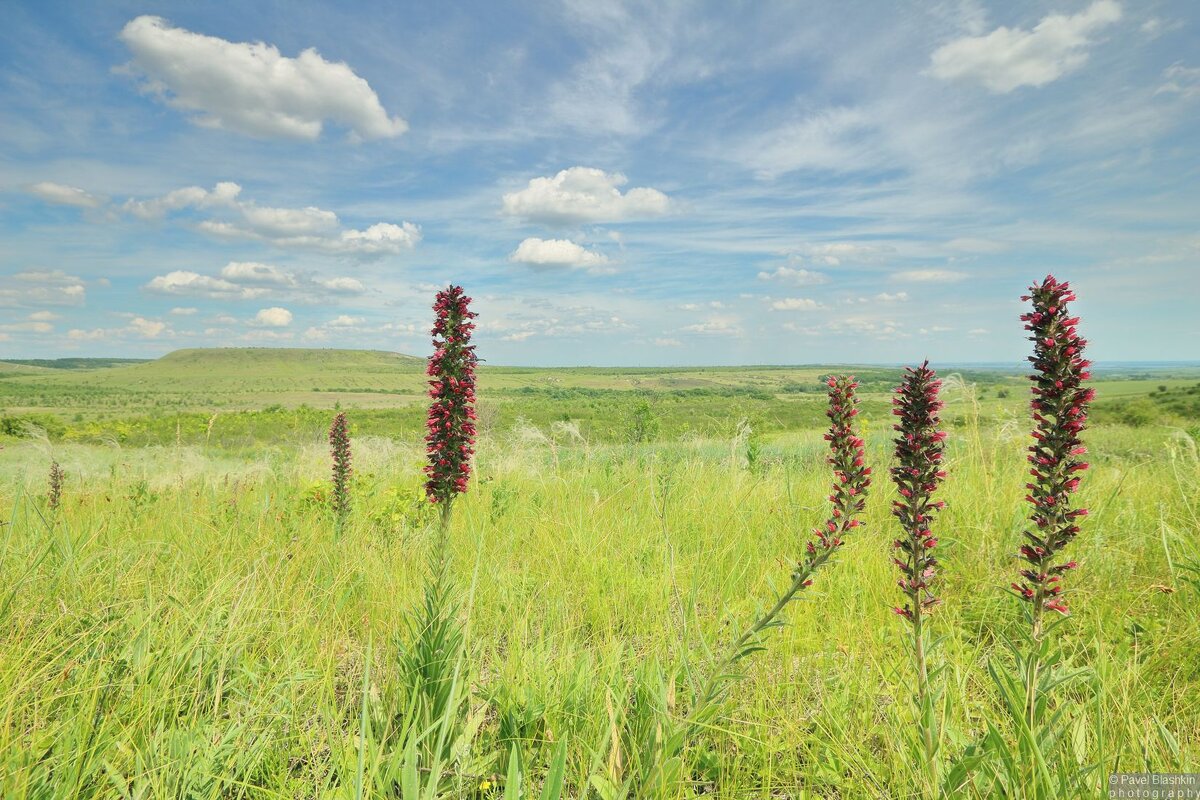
(669, 183)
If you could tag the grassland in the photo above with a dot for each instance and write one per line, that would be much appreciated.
(189, 624)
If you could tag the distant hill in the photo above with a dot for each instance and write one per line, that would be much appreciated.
(241, 372)
(71, 363)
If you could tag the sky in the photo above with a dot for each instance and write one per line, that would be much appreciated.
(669, 183)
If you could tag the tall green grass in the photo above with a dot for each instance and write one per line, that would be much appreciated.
(188, 625)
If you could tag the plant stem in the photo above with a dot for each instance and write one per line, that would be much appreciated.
(444, 526)
(712, 689)
(923, 698)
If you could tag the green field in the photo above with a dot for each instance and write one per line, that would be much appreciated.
(190, 624)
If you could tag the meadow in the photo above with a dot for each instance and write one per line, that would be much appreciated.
(191, 622)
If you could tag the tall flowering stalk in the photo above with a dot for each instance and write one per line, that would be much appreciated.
(432, 662)
(55, 487)
(339, 447)
(917, 475)
(848, 498)
(450, 441)
(1060, 406)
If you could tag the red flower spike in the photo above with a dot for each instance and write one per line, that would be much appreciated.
(851, 476)
(450, 442)
(917, 475)
(339, 448)
(1061, 407)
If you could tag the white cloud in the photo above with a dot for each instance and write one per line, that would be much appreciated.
(1181, 80)
(796, 277)
(549, 253)
(345, 321)
(148, 328)
(28, 327)
(138, 326)
(253, 272)
(308, 228)
(716, 326)
(186, 282)
(1008, 58)
(52, 277)
(42, 288)
(224, 193)
(250, 87)
(882, 297)
(382, 237)
(830, 139)
(929, 276)
(977, 332)
(273, 318)
(834, 254)
(877, 328)
(184, 312)
(65, 195)
(666, 341)
(342, 285)
(519, 336)
(584, 194)
(249, 280)
(44, 316)
(795, 304)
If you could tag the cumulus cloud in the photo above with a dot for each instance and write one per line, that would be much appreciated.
(273, 318)
(882, 297)
(551, 253)
(716, 326)
(224, 194)
(186, 282)
(184, 311)
(27, 327)
(929, 276)
(250, 280)
(795, 304)
(253, 272)
(138, 326)
(1008, 58)
(345, 321)
(796, 277)
(382, 237)
(65, 195)
(42, 288)
(252, 88)
(341, 285)
(231, 217)
(583, 194)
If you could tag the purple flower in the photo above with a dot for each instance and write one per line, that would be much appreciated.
(450, 440)
(917, 475)
(1059, 407)
(339, 445)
